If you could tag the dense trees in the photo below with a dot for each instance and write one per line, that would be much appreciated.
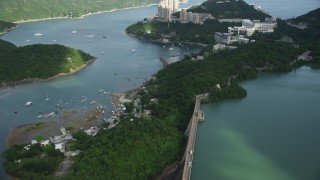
(180, 32)
(38, 61)
(15, 10)
(36, 163)
(4, 26)
(227, 10)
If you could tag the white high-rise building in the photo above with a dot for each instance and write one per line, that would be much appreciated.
(166, 8)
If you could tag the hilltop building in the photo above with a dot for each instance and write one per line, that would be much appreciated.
(196, 18)
(249, 27)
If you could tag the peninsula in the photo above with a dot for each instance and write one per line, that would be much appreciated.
(38, 62)
(146, 131)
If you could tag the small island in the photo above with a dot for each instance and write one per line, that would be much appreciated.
(38, 62)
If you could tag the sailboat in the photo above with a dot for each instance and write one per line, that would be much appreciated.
(47, 99)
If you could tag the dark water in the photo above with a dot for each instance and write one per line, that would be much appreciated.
(273, 133)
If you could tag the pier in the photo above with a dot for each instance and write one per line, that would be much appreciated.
(164, 62)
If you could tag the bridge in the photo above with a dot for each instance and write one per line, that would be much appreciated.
(197, 116)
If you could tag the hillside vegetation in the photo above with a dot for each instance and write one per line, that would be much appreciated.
(16, 10)
(38, 61)
(228, 10)
(182, 32)
(4, 26)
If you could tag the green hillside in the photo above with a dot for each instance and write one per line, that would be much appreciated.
(231, 9)
(4, 26)
(15, 10)
(38, 61)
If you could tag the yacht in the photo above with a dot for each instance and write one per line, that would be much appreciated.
(74, 31)
(47, 99)
(133, 50)
(29, 103)
(171, 49)
(38, 34)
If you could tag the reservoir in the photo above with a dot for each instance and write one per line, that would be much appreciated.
(273, 133)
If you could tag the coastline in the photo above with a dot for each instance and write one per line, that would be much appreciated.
(8, 30)
(29, 80)
(82, 16)
(159, 41)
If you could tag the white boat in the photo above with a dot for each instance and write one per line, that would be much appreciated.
(74, 31)
(47, 99)
(38, 34)
(28, 40)
(171, 49)
(90, 36)
(29, 103)
(133, 50)
(102, 52)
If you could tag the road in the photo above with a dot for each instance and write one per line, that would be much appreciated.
(192, 140)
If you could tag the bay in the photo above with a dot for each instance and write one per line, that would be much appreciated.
(101, 35)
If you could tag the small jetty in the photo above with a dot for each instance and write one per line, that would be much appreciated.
(163, 61)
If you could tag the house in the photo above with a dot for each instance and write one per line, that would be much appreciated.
(218, 46)
(92, 131)
(45, 142)
(34, 141)
(59, 146)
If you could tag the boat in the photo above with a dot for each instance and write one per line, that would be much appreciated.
(47, 99)
(38, 34)
(29, 103)
(74, 31)
(171, 49)
(90, 36)
(102, 52)
(133, 50)
(28, 40)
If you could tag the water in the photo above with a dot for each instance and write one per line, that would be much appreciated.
(114, 55)
(286, 8)
(271, 134)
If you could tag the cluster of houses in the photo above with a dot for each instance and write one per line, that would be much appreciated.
(239, 33)
(60, 141)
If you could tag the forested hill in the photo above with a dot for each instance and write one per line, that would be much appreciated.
(15, 10)
(229, 9)
(38, 61)
(4, 26)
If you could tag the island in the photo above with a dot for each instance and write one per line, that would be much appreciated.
(38, 62)
(145, 137)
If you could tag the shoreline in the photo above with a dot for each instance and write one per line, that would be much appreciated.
(82, 16)
(8, 30)
(30, 80)
(159, 41)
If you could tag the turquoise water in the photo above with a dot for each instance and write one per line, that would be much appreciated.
(271, 134)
